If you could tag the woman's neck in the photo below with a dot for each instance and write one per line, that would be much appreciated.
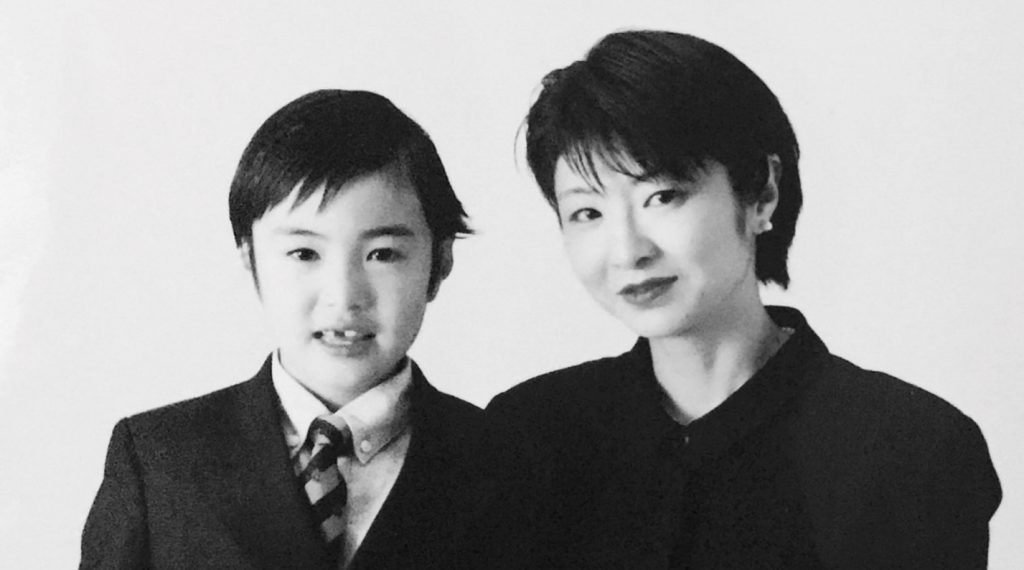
(699, 371)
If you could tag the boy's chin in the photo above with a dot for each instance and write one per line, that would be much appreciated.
(353, 377)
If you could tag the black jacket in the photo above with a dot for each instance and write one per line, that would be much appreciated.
(813, 463)
(208, 483)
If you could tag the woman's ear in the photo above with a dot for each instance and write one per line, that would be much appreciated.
(443, 267)
(768, 198)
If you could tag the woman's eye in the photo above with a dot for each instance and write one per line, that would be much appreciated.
(384, 255)
(664, 197)
(303, 254)
(584, 215)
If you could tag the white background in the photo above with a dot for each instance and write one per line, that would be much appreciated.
(121, 123)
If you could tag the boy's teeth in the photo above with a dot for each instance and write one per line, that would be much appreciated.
(338, 335)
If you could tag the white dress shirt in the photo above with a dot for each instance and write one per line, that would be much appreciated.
(379, 420)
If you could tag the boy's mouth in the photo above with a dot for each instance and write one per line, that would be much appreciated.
(342, 338)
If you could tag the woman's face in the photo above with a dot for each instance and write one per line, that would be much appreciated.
(666, 257)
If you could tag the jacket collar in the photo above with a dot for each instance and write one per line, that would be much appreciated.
(249, 479)
(771, 391)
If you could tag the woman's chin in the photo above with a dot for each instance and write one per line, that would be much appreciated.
(656, 326)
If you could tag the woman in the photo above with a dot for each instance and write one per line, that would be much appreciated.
(728, 437)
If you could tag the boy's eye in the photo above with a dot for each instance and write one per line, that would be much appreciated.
(384, 255)
(303, 254)
(664, 197)
(584, 215)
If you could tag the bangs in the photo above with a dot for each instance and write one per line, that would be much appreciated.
(305, 179)
(333, 181)
(583, 154)
(586, 118)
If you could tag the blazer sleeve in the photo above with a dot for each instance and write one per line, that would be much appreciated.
(964, 497)
(934, 508)
(115, 533)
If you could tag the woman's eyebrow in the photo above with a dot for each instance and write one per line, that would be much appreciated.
(575, 190)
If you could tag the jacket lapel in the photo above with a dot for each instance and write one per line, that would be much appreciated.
(422, 522)
(249, 478)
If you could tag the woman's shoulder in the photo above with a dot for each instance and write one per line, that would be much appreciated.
(853, 407)
(840, 392)
(875, 394)
(863, 432)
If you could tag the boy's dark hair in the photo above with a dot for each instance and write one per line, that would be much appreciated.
(666, 103)
(329, 138)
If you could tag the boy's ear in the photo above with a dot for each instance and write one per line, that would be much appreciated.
(245, 253)
(443, 266)
(248, 261)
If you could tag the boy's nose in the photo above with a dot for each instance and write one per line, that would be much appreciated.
(346, 287)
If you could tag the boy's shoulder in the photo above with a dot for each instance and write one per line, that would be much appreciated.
(428, 394)
(444, 416)
(217, 414)
(197, 407)
(570, 386)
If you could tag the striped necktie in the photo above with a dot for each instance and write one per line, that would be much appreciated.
(329, 438)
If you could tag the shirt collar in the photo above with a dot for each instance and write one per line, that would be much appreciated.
(376, 417)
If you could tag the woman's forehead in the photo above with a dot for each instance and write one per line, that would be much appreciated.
(589, 160)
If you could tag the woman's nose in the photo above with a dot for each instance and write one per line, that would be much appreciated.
(630, 246)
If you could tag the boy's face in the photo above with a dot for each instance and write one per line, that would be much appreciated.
(345, 287)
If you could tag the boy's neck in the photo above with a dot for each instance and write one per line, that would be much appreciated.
(337, 394)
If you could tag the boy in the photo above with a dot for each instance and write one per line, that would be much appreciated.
(338, 453)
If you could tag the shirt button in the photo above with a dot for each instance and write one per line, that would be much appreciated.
(366, 446)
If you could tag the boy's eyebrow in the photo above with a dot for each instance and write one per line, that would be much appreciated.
(395, 230)
(295, 231)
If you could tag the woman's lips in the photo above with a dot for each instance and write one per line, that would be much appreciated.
(647, 291)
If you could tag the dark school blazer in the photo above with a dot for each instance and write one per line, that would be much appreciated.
(207, 483)
(813, 463)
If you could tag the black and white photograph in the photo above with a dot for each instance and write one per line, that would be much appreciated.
(511, 285)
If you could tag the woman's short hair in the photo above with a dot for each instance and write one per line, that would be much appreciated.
(666, 103)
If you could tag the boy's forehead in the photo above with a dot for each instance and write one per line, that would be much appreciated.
(365, 200)
(324, 192)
